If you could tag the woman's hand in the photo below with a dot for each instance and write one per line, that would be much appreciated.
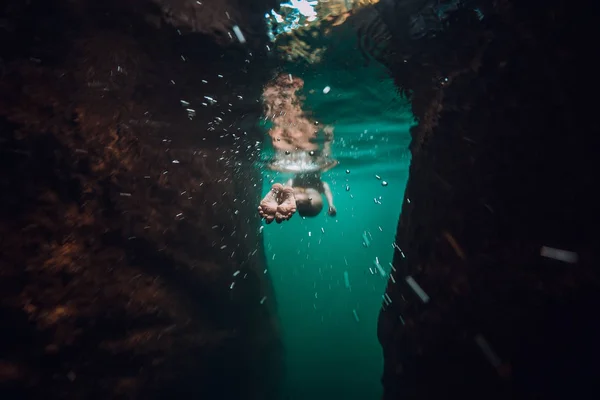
(332, 211)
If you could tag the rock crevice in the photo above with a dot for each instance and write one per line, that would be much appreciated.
(501, 170)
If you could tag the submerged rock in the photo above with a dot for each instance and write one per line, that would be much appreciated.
(495, 288)
(114, 280)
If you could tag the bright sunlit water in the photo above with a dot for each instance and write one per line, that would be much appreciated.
(329, 354)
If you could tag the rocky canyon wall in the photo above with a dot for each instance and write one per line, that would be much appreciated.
(131, 262)
(482, 303)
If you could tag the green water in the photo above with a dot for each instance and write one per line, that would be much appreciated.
(329, 354)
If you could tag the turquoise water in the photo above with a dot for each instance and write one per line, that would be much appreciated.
(329, 353)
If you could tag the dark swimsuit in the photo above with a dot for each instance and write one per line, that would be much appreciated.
(308, 180)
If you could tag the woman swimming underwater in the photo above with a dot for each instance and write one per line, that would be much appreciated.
(294, 136)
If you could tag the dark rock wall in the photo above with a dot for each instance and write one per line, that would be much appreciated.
(218, 17)
(122, 220)
(503, 164)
